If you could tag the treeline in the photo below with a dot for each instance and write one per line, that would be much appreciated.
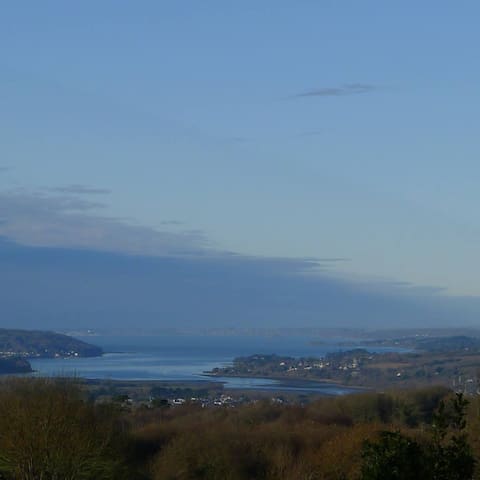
(51, 430)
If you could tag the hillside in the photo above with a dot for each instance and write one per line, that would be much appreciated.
(14, 365)
(34, 344)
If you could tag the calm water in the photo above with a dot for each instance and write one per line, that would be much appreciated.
(183, 358)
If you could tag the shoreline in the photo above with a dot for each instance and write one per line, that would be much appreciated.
(210, 382)
(294, 382)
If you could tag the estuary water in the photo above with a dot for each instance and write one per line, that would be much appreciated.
(186, 358)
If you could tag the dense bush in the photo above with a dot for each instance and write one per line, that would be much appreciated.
(446, 455)
(49, 430)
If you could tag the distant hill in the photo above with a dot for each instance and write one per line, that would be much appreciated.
(459, 343)
(432, 344)
(40, 344)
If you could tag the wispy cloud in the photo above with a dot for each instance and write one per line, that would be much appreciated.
(77, 189)
(39, 219)
(171, 222)
(238, 139)
(4, 168)
(312, 133)
(340, 91)
(130, 272)
(64, 219)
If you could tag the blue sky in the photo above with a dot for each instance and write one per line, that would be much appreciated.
(308, 129)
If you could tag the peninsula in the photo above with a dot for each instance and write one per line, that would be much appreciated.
(17, 346)
(449, 361)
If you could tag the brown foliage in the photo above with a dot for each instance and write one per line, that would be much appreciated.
(47, 431)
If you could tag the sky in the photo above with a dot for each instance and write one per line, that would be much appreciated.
(283, 149)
